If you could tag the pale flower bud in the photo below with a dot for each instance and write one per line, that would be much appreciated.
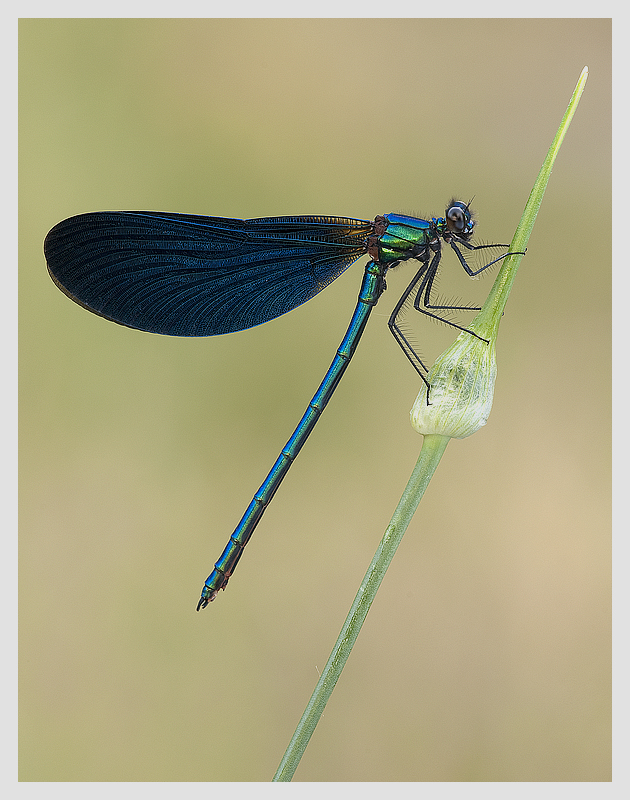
(462, 387)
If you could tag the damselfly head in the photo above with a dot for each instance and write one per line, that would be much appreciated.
(459, 220)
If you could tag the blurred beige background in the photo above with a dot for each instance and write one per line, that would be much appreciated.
(486, 656)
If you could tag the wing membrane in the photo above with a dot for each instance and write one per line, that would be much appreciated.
(187, 275)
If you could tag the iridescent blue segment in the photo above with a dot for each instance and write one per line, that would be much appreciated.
(371, 289)
(186, 275)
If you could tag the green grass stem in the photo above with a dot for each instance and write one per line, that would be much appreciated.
(430, 455)
(486, 323)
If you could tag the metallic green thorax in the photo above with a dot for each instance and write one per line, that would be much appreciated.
(398, 237)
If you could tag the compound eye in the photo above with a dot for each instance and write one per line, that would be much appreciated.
(458, 218)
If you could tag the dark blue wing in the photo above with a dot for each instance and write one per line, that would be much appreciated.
(187, 275)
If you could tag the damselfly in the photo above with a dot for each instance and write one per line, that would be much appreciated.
(187, 275)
